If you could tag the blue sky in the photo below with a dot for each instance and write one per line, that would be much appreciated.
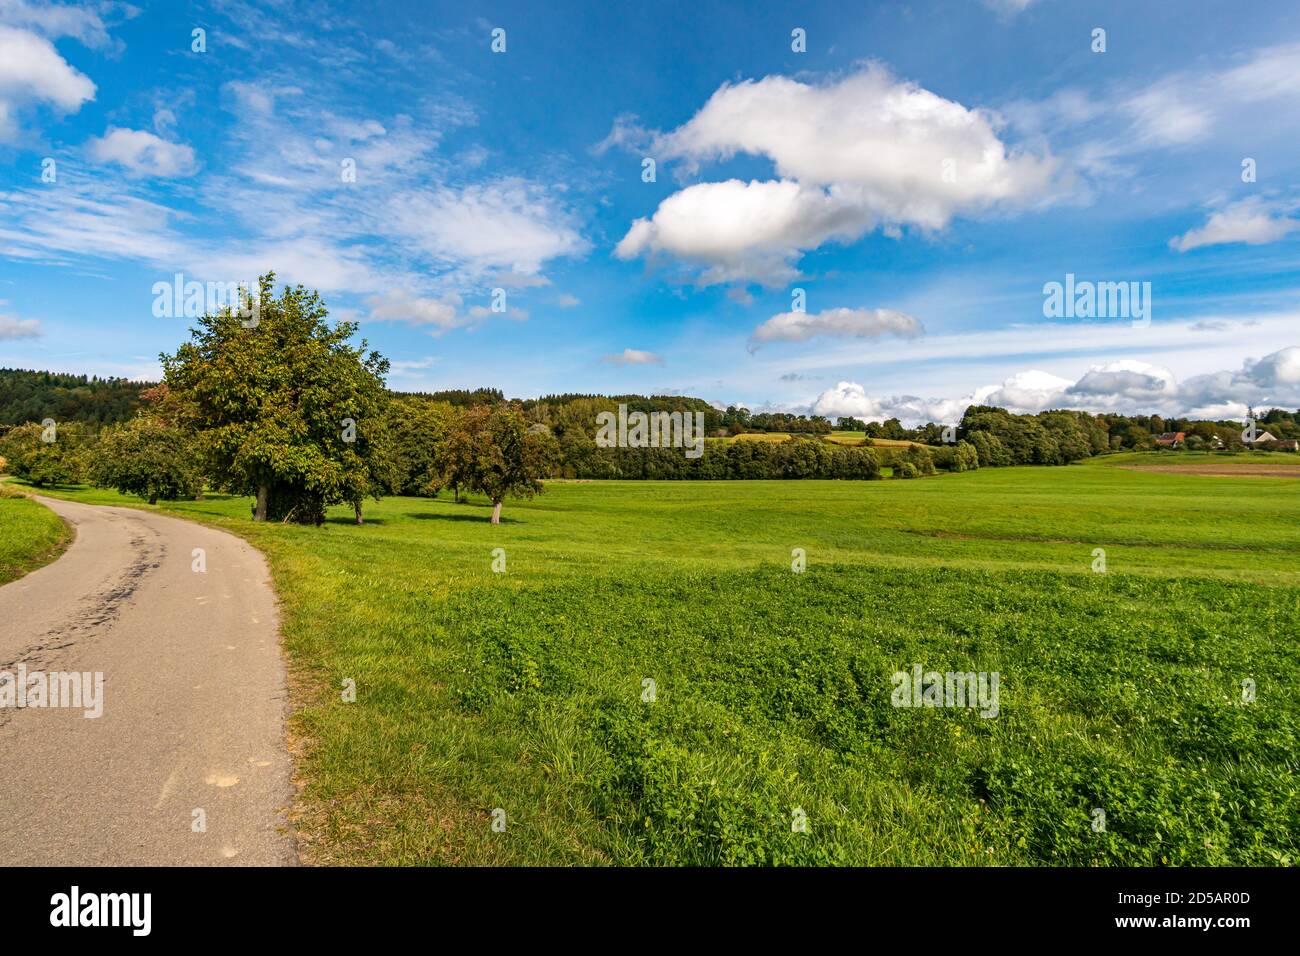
(920, 171)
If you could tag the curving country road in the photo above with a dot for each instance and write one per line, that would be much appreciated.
(194, 701)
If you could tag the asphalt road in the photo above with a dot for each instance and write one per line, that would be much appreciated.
(193, 703)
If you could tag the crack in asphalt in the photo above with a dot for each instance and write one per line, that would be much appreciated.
(94, 613)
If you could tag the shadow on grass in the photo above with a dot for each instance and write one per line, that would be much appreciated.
(431, 516)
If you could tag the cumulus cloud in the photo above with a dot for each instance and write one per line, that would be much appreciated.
(142, 153)
(743, 231)
(32, 71)
(12, 327)
(1279, 370)
(866, 149)
(1116, 382)
(1250, 221)
(634, 357)
(1126, 386)
(837, 323)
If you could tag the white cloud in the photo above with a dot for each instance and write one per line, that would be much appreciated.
(634, 357)
(258, 99)
(1251, 99)
(743, 231)
(867, 149)
(444, 314)
(55, 20)
(142, 153)
(12, 327)
(406, 368)
(1028, 391)
(851, 399)
(1164, 116)
(838, 323)
(626, 133)
(1126, 386)
(1250, 221)
(32, 71)
(312, 260)
(567, 301)
(1115, 382)
(510, 224)
(1279, 370)
(89, 219)
(511, 312)
(519, 280)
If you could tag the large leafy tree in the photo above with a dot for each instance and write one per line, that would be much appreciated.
(45, 453)
(286, 408)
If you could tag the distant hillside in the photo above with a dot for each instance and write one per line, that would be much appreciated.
(32, 396)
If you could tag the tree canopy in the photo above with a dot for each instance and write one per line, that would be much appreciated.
(285, 408)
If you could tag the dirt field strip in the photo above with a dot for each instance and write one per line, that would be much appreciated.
(1223, 471)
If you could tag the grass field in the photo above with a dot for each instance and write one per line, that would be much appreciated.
(523, 691)
(30, 535)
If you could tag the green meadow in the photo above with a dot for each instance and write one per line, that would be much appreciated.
(649, 681)
(30, 535)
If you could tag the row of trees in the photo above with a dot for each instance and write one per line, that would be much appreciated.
(793, 458)
(738, 420)
(1106, 431)
(286, 411)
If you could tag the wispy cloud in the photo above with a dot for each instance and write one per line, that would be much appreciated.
(1250, 221)
(633, 357)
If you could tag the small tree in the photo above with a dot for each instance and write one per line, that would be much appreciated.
(149, 458)
(455, 456)
(504, 459)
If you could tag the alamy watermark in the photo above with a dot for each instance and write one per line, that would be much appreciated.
(1098, 300)
(75, 908)
(190, 299)
(651, 430)
(922, 688)
(81, 690)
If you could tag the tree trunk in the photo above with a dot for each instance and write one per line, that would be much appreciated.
(496, 512)
(455, 490)
(259, 513)
(357, 506)
(153, 499)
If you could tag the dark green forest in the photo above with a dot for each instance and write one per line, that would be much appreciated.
(32, 396)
